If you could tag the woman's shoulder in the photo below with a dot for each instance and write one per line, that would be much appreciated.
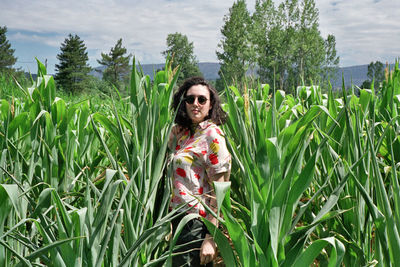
(213, 130)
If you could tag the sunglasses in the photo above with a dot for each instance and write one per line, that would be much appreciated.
(200, 99)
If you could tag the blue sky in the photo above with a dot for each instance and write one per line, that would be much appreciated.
(365, 30)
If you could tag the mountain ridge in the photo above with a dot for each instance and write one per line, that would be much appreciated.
(355, 75)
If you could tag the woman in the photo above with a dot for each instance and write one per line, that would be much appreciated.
(200, 158)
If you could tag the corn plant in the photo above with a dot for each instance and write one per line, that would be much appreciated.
(83, 189)
(274, 170)
(314, 177)
(306, 173)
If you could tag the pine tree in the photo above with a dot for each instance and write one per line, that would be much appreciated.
(237, 53)
(117, 64)
(179, 47)
(7, 59)
(72, 71)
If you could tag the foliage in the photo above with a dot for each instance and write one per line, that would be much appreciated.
(291, 50)
(72, 70)
(236, 52)
(311, 173)
(314, 177)
(117, 64)
(331, 63)
(376, 74)
(9, 81)
(80, 186)
(283, 42)
(181, 50)
(376, 71)
(7, 59)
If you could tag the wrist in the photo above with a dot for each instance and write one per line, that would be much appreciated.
(209, 238)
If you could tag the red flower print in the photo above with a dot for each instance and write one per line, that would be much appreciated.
(181, 172)
(213, 159)
(202, 213)
(203, 152)
(197, 176)
(177, 147)
(201, 190)
(187, 149)
(215, 141)
(177, 184)
(182, 193)
(218, 131)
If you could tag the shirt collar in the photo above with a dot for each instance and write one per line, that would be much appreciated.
(204, 124)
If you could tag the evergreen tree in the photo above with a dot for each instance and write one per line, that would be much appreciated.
(7, 59)
(72, 71)
(181, 50)
(237, 53)
(117, 64)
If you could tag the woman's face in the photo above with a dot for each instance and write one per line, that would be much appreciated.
(198, 103)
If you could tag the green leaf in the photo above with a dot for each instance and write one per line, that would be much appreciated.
(307, 257)
(223, 244)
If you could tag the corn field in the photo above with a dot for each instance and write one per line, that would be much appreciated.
(314, 177)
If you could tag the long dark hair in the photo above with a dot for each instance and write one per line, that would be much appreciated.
(216, 114)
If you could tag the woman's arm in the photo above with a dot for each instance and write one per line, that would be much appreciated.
(176, 132)
(220, 177)
(208, 250)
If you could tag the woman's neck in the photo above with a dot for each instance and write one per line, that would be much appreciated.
(193, 127)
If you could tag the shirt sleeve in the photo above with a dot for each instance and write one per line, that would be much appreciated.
(218, 158)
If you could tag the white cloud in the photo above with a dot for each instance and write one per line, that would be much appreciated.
(52, 40)
(365, 30)
(143, 25)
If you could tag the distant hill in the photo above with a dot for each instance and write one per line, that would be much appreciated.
(209, 70)
(352, 75)
(355, 75)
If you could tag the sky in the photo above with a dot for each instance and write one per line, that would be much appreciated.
(365, 30)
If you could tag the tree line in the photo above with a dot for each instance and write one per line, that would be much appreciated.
(281, 44)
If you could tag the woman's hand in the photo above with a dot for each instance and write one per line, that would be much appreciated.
(208, 250)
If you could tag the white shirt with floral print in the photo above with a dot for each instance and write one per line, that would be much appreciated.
(197, 158)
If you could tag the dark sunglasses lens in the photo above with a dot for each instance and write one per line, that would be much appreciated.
(202, 100)
(190, 99)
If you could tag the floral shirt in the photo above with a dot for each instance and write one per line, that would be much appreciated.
(195, 160)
